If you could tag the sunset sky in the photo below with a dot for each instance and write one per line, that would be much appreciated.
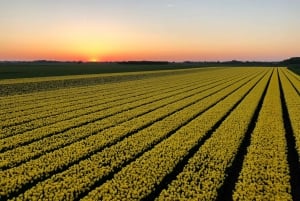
(174, 30)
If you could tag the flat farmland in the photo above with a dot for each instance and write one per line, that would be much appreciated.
(230, 133)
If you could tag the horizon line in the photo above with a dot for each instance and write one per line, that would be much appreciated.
(143, 60)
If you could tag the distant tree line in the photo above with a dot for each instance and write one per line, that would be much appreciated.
(293, 60)
(144, 62)
(293, 64)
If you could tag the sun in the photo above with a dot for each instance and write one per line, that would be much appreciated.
(93, 60)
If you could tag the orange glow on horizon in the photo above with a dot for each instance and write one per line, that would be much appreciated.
(88, 53)
(93, 49)
(93, 60)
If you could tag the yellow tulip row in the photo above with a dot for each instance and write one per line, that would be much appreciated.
(23, 153)
(83, 76)
(15, 100)
(21, 86)
(11, 104)
(7, 102)
(71, 101)
(52, 114)
(34, 170)
(138, 179)
(24, 101)
(77, 96)
(265, 171)
(295, 79)
(205, 172)
(72, 77)
(293, 106)
(63, 96)
(56, 128)
(51, 110)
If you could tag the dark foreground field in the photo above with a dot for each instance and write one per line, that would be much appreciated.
(13, 70)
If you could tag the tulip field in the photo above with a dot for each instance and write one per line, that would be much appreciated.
(230, 133)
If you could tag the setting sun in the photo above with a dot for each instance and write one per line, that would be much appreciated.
(93, 60)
